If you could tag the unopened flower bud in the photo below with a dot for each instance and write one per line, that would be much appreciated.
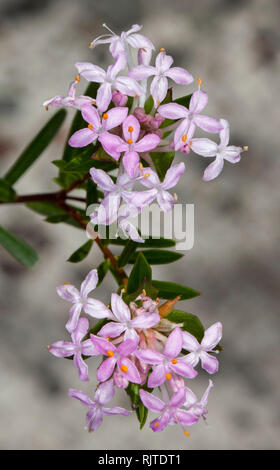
(118, 98)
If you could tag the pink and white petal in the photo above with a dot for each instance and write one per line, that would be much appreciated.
(232, 154)
(82, 138)
(207, 123)
(74, 315)
(133, 234)
(224, 134)
(120, 309)
(186, 418)
(198, 101)
(190, 398)
(212, 336)
(94, 419)
(106, 369)
(151, 402)
(148, 142)
(173, 111)
(204, 399)
(139, 199)
(157, 377)
(110, 143)
(179, 75)
(130, 162)
(104, 392)
(191, 358)
(68, 292)
(173, 345)
(102, 179)
(79, 395)
(141, 72)
(204, 147)
(128, 86)
(173, 175)
(88, 349)
(89, 284)
(144, 56)
(209, 363)
(159, 88)
(98, 72)
(178, 398)
(104, 96)
(116, 410)
(163, 62)
(114, 69)
(62, 349)
(161, 422)
(132, 373)
(80, 331)
(116, 47)
(131, 122)
(138, 40)
(190, 343)
(149, 356)
(150, 181)
(91, 115)
(112, 330)
(165, 200)
(182, 130)
(108, 209)
(115, 117)
(127, 347)
(96, 309)
(81, 366)
(214, 169)
(102, 345)
(186, 370)
(146, 320)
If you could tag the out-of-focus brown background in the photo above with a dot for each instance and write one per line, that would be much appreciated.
(234, 47)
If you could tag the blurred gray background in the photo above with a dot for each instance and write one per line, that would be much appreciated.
(234, 47)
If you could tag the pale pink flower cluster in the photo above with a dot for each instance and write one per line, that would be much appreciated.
(134, 349)
(130, 135)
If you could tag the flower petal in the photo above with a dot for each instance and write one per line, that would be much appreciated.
(185, 418)
(81, 366)
(157, 377)
(102, 345)
(82, 138)
(173, 111)
(207, 123)
(110, 143)
(132, 373)
(104, 392)
(148, 142)
(204, 399)
(173, 175)
(127, 347)
(179, 75)
(104, 96)
(145, 320)
(161, 422)
(96, 309)
(94, 419)
(89, 284)
(186, 370)
(224, 133)
(79, 395)
(165, 200)
(131, 128)
(115, 117)
(130, 162)
(191, 398)
(138, 41)
(209, 362)
(116, 410)
(212, 336)
(111, 330)
(91, 72)
(128, 86)
(214, 169)
(163, 62)
(159, 88)
(68, 292)
(80, 331)
(102, 179)
(232, 154)
(151, 402)
(74, 314)
(106, 369)
(178, 398)
(119, 308)
(198, 101)
(62, 349)
(141, 72)
(204, 147)
(149, 356)
(173, 345)
(88, 349)
(190, 343)
(114, 69)
(91, 115)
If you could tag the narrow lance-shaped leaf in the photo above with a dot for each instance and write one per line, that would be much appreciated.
(148, 243)
(126, 254)
(81, 253)
(170, 290)
(7, 193)
(36, 147)
(191, 322)
(20, 250)
(158, 256)
(141, 271)
(162, 162)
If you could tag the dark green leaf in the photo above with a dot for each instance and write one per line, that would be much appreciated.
(7, 193)
(170, 290)
(149, 242)
(17, 248)
(92, 193)
(36, 147)
(54, 213)
(133, 391)
(125, 255)
(158, 256)
(162, 162)
(184, 100)
(142, 414)
(141, 271)
(81, 253)
(151, 292)
(168, 97)
(192, 324)
(97, 327)
(102, 270)
(149, 104)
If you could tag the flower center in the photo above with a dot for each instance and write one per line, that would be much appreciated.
(124, 368)
(174, 361)
(90, 126)
(110, 353)
(129, 141)
(168, 376)
(130, 129)
(105, 116)
(184, 138)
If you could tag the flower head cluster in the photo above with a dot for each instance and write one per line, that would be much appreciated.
(130, 130)
(133, 349)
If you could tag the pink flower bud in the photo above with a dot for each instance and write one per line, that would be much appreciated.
(118, 98)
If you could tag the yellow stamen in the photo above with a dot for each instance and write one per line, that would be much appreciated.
(130, 141)
(78, 78)
(190, 144)
(90, 126)
(108, 338)
(67, 284)
(144, 292)
(187, 433)
(90, 46)
(130, 129)
(245, 148)
(124, 368)
(46, 108)
(156, 425)
(140, 166)
(110, 353)
(146, 175)
(174, 361)
(162, 49)
(175, 196)
(105, 116)
(184, 138)
(199, 81)
(168, 376)
(144, 50)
